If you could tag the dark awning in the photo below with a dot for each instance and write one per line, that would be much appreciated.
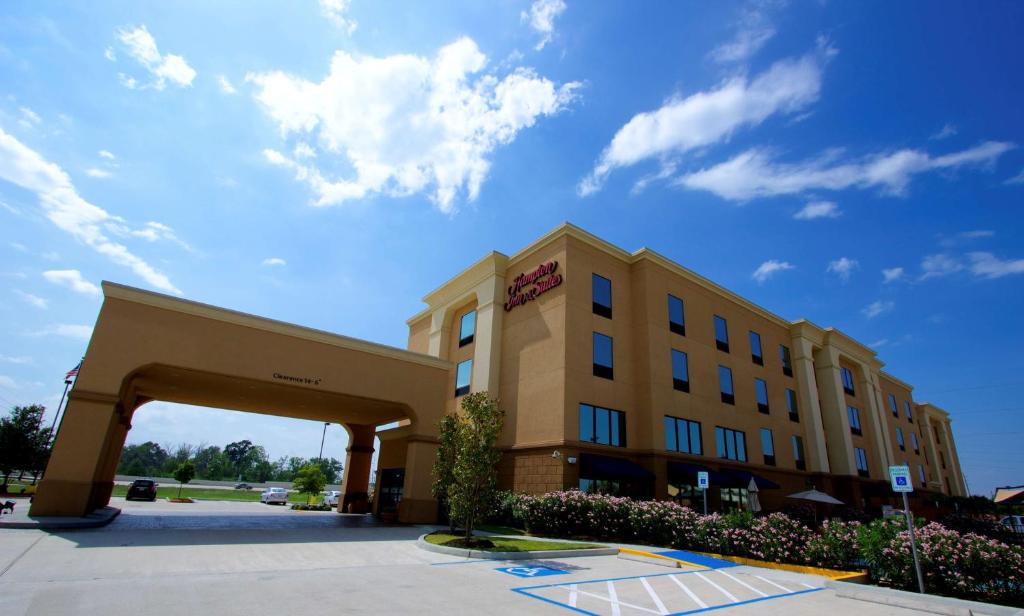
(689, 471)
(740, 479)
(594, 466)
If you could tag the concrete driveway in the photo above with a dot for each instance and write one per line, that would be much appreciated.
(246, 558)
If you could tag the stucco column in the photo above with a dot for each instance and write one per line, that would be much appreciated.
(356, 479)
(418, 504)
(957, 485)
(79, 477)
(931, 452)
(833, 411)
(810, 411)
(440, 330)
(883, 454)
(487, 351)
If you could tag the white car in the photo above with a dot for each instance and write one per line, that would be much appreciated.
(331, 497)
(1014, 523)
(274, 495)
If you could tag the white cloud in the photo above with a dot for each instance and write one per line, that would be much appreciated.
(7, 382)
(874, 309)
(892, 274)
(753, 30)
(934, 266)
(303, 150)
(843, 267)
(272, 261)
(106, 154)
(1017, 179)
(818, 209)
(73, 280)
(78, 332)
(334, 11)
(987, 265)
(225, 85)
(977, 233)
(947, 131)
(151, 232)
(879, 343)
(541, 18)
(406, 124)
(110, 54)
(705, 118)
(96, 172)
(754, 173)
(67, 210)
(29, 118)
(167, 67)
(768, 269)
(32, 300)
(15, 360)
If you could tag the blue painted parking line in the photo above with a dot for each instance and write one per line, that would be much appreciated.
(698, 559)
(662, 594)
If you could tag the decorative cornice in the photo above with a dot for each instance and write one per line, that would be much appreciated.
(93, 396)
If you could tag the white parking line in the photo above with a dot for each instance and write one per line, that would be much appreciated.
(739, 581)
(654, 596)
(689, 592)
(614, 600)
(807, 585)
(573, 594)
(773, 583)
(724, 591)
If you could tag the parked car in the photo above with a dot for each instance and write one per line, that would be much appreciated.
(243, 486)
(142, 489)
(1014, 523)
(274, 495)
(331, 497)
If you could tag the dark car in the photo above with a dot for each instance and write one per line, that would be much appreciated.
(243, 486)
(142, 489)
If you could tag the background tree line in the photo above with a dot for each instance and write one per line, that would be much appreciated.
(237, 461)
(24, 443)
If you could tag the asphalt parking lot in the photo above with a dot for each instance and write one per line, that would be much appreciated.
(247, 558)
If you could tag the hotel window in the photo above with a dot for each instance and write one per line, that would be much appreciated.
(921, 476)
(602, 426)
(854, 415)
(794, 412)
(676, 315)
(733, 499)
(916, 443)
(762, 395)
(899, 439)
(798, 453)
(682, 435)
(847, 381)
(725, 385)
(463, 376)
(602, 296)
(732, 444)
(603, 356)
(756, 355)
(862, 461)
(787, 361)
(467, 327)
(906, 409)
(767, 446)
(601, 486)
(721, 334)
(680, 371)
(942, 460)
(892, 406)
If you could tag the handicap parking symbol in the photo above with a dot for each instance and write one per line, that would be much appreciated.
(530, 572)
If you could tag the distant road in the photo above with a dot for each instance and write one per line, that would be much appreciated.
(209, 483)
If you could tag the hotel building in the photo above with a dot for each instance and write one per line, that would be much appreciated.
(640, 373)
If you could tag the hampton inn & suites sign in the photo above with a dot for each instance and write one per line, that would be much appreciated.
(527, 287)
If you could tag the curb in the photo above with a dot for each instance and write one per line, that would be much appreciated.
(96, 519)
(485, 555)
(915, 601)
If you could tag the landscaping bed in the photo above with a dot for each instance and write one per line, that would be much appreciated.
(503, 544)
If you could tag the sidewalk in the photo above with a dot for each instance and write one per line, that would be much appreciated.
(21, 519)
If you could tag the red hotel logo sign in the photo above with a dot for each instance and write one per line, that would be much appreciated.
(526, 287)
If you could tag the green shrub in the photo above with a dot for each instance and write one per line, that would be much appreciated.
(836, 546)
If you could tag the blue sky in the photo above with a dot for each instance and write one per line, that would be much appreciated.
(856, 164)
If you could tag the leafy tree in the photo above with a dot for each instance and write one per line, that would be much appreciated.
(475, 471)
(24, 442)
(184, 474)
(238, 453)
(310, 480)
(444, 464)
(147, 458)
(211, 463)
(331, 468)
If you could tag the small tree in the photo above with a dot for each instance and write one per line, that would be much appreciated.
(185, 472)
(310, 480)
(475, 472)
(444, 464)
(23, 441)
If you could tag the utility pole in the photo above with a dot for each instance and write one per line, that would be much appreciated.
(322, 437)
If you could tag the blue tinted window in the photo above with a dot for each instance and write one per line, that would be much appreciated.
(602, 296)
(762, 391)
(586, 423)
(732, 444)
(721, 330)
(467, 327)
(914, 441)
(862, 459)
(680, 369)
(671, 444)
(602, 426)
(787, 363)
(755, 346)
(892, 405)
(725, 380)
(798, 448)
(854, 415)
(791, 401)
(676, 314)
(696, 443)
(602, 350)
(767, 445)
(906, 407)
(682, 435)
(848, 381)
(463, 376)
(899, 438)
(602, 429)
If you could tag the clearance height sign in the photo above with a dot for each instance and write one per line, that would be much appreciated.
(531, 285)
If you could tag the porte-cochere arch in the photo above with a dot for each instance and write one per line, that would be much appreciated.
(148, 346)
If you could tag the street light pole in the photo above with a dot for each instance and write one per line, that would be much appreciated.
(322, 437)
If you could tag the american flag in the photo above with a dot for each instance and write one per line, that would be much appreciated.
(73, 372)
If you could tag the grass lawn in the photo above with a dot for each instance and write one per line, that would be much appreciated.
(171, 491)
(501, 530)
(511, 544)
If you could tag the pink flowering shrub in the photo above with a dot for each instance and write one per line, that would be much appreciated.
(835, 546)
(779, 539)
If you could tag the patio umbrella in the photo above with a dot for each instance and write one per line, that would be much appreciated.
(752, 500)
(817, 497)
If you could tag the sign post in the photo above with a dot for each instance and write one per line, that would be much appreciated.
(702, 483)
(899, 476)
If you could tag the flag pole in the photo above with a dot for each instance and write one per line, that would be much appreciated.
(67, 385)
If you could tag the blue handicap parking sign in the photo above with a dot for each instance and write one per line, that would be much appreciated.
(530, 572)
